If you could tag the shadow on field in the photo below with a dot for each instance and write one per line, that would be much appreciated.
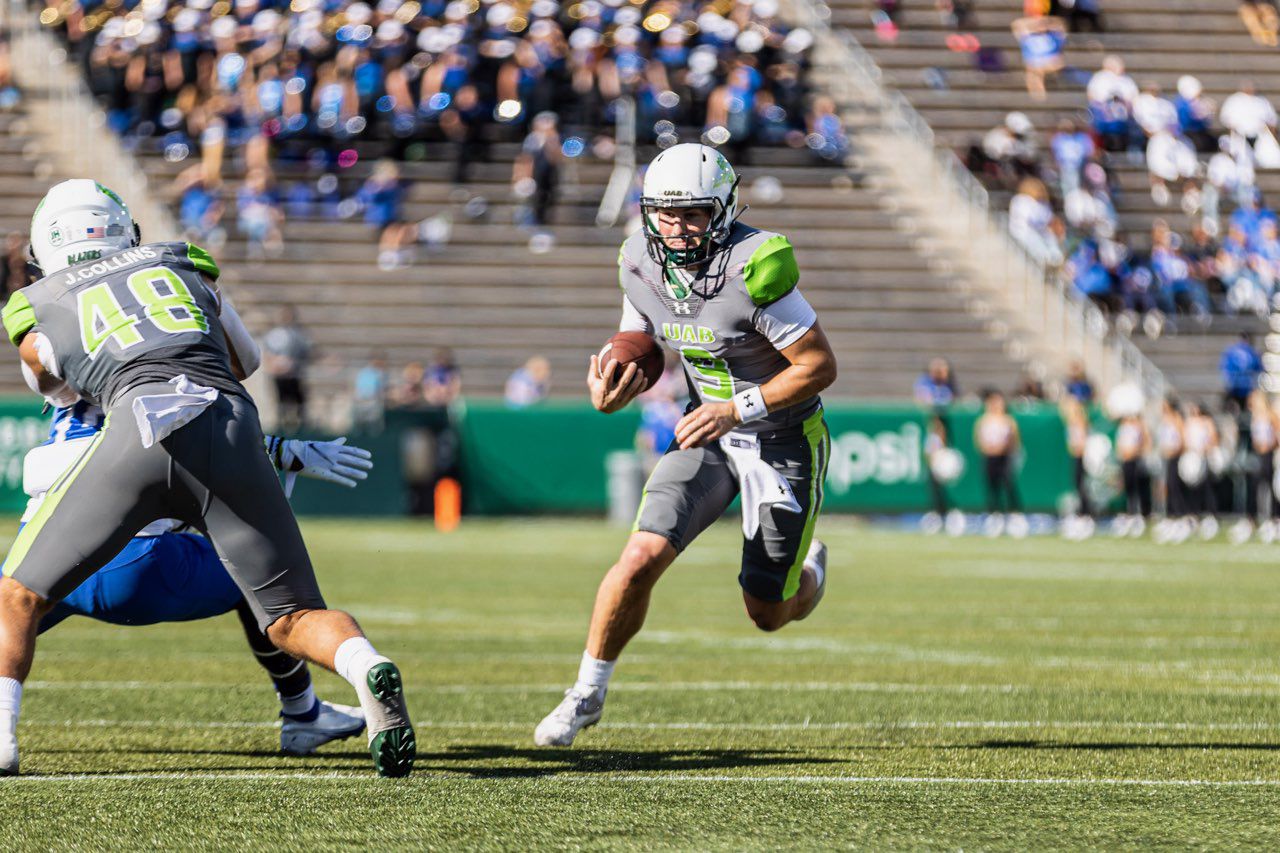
(547, 762)
(1116, 745)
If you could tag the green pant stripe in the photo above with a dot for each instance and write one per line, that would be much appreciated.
(644, 496)
(815, 430)
(33, 527)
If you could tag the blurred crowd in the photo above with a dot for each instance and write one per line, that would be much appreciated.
(292, 95)
(1063, 210)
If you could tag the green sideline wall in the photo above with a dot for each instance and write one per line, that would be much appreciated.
(551, 459)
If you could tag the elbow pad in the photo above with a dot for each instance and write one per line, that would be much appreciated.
(60, 395)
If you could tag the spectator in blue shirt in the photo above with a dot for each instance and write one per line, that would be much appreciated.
(1072, 148)
(1240, 366)
(1078, 384)
(1195, 114)
(1090, 276)
(936, 387)
(199, 206)
(1042, 41)
(382, 198)
(1250, 215)
(258, 214)
(1177, 288)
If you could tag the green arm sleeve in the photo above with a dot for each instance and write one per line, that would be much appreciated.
(19, 317)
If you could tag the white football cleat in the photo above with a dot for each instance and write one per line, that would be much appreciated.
(332, 722)
(993, 526)
(1137, 527)
(956, 523)
(1017, 526)
(1121, 526)
(1240, 532)
(8, 745)
(930, 523)
(577, 711)
(1208, 528)
(1267, 532)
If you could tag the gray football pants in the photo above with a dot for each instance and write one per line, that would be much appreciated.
(212, 473)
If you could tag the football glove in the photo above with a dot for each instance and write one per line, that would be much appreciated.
(332, 461)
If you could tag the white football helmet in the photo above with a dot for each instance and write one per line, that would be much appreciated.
(77, 221)
(689, 175)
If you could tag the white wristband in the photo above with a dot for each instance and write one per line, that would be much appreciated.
(750, 405)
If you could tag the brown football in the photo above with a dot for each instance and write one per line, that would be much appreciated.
(628, 347)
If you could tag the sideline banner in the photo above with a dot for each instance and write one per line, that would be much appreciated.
(551, 457)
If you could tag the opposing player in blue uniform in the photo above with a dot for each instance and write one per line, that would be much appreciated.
(168, 575)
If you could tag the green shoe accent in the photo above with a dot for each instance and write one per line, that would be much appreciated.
(384, 681)
(393, 752)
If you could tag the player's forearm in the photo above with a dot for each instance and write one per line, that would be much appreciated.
(799, 382)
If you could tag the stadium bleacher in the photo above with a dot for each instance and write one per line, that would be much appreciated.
(883, 304)
(1158, 41)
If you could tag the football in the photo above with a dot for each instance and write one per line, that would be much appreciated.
(628, 347)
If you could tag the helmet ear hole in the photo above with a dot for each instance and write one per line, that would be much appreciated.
(137, 233)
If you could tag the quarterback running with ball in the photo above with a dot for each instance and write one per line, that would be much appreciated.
(723, 297)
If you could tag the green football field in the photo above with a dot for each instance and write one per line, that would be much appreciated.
(947, 694)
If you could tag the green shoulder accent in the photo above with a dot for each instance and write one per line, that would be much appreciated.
(621, 266)
(771, 272)
(202, 260)
(19, 317)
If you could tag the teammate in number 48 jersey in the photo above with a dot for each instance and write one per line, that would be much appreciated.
(138, 330)
(723, 297)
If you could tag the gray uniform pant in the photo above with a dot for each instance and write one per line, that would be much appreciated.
(212, 473)
(690, 489)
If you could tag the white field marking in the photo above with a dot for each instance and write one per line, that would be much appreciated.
(689, 686)
(642, 687)
(906, 725)
(663, 779)
(906, 653)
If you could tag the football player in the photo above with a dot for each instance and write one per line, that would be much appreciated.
(137, 329)
(168, 574)
(723, 296)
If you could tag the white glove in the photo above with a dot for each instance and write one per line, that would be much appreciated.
(333, 461)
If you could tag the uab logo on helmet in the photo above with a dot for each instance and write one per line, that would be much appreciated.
(56, 237)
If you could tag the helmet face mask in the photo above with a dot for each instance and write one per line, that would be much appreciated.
(698, 246)
(681, 177)
(78, 220)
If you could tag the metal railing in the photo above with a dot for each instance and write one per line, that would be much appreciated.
(624, 165)
(1055, 315)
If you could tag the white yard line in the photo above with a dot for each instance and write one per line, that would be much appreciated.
(636, 778)
(862, 725)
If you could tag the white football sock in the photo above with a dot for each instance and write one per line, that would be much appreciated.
(295, 706)
(10, 700)
(354, 658)
(593, 672)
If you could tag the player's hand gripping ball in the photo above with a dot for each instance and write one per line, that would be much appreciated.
(625, 366)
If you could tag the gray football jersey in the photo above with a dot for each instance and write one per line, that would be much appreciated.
(720, 348)
(138, 315)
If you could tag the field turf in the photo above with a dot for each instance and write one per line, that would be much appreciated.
(947, 694)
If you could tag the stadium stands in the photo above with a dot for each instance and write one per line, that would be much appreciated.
(940, 75)
(494, 301)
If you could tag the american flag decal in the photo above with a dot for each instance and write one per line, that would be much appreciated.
(95, 232)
